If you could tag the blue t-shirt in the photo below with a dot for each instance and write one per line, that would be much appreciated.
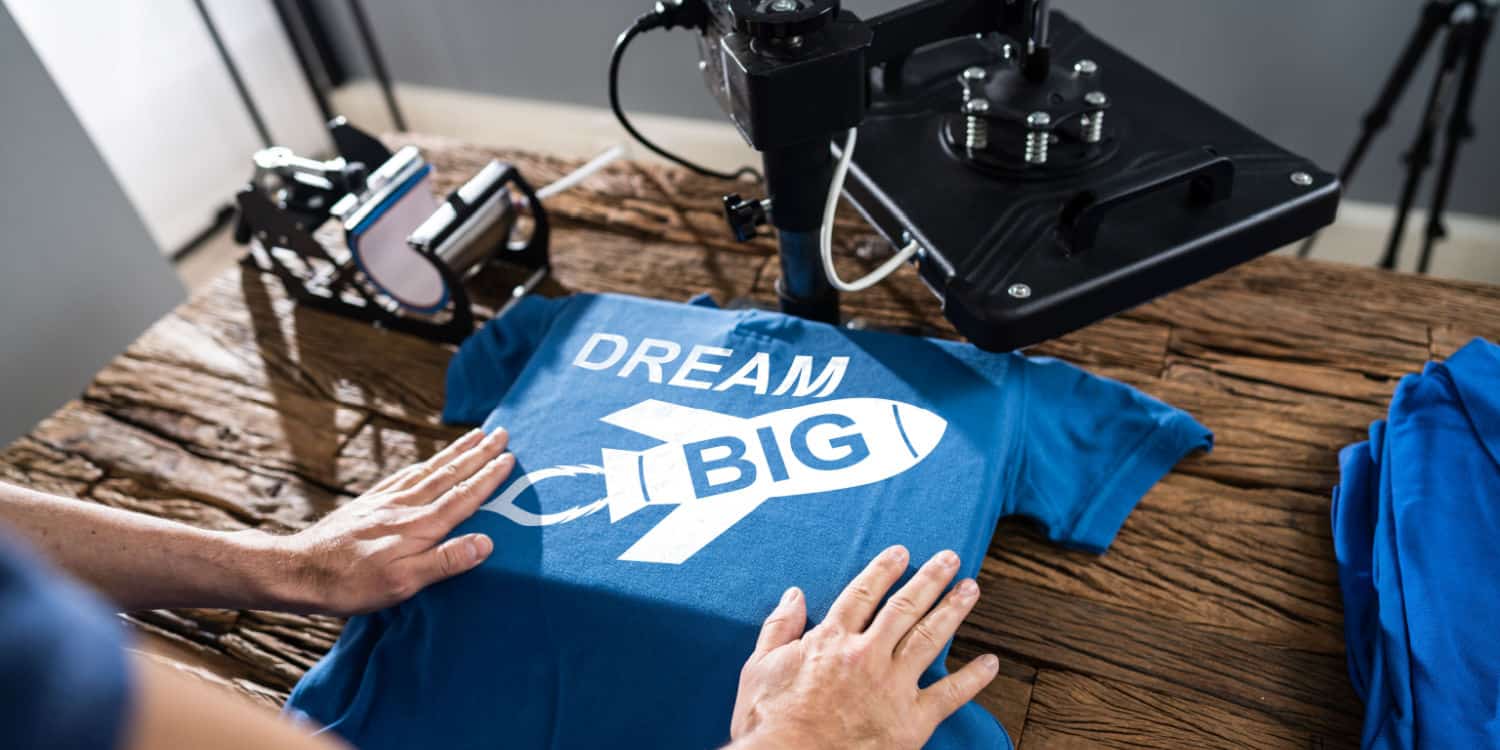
(63, 679)
(1415, 522)
(679, 466)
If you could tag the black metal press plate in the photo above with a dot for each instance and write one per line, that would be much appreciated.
(995, 246)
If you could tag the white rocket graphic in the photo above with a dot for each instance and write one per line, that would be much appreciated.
(718, 468)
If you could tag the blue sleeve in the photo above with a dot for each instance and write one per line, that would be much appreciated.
(1354, 512)
(1088, 448)
(63, 674)
(488, 363)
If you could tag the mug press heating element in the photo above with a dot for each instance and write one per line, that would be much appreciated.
(397, 221)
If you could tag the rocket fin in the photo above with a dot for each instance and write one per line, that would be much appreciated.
(671, 423)
(691, 527)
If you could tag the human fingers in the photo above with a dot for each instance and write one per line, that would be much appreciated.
(785, 624)
(949, 694)
(408, 476)
(913, 600)
(445, 560)
(442, 477)
(856, 604)
(926, 639)
(464, 498)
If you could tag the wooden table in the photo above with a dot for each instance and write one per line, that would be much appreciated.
(1214, 620)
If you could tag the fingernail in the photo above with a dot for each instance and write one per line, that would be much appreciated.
(480, 547)
(506, 457)
(947, 559)
(791, 595)
(895, 554)
(990, 663)
(968, 589)
(495, 437)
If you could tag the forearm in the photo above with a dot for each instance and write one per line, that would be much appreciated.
(169, 709)
(141, 562)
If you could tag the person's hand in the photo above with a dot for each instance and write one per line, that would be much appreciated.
(851, 682)
(386, 545)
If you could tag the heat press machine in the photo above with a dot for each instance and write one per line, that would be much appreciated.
(405, 254)
(1039, 178)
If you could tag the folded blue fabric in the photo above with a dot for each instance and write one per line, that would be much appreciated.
(1415, 522)
(678, 467)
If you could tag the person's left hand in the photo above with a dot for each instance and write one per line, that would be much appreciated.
(386, 545)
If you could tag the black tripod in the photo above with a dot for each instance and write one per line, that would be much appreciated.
(1468, 23)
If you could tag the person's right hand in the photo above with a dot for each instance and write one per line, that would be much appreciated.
(851, 682)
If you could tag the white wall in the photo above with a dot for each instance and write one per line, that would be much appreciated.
(144, 78)
(79, 276)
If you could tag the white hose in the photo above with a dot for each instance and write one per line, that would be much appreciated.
(835, 190)
(582, 173)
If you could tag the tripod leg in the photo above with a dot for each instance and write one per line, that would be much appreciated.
(1460, 129)
(1420, 155)
(1434, 15)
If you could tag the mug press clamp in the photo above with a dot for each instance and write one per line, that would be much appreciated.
(406, 254)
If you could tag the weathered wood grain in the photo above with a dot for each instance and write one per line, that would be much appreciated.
(1302, 689)
(1213, 621)
(1249, 564)
(1070, 711)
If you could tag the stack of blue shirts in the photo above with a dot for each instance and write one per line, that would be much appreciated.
(1416, 522)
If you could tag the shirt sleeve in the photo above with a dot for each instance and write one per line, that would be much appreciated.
(63, 673)
(1088, 448)
(488, 363)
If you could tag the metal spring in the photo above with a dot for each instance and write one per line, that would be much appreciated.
(976, 133)
(1036, 146)
(1093, 127)
(976, 126)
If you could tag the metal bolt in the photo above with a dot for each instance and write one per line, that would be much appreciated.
(1301, 179)
(1019, 291)
(1085, 68)
(785, 6)
(1093, 123)
(976, 125)
(1037, 137)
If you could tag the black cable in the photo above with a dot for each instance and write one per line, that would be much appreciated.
(645, 23)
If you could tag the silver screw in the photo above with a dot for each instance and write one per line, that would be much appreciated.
(1037, 137)
(1093, 123)
(786, 6)
(976, 125)
(1301, 179)
(1085, 68)
(1019, 291)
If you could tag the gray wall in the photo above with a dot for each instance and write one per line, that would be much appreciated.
(1299, 72)
(81, 278)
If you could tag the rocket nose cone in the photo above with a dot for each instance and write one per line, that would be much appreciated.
(921, 428)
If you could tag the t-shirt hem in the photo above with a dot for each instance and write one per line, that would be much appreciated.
(1168, 443)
